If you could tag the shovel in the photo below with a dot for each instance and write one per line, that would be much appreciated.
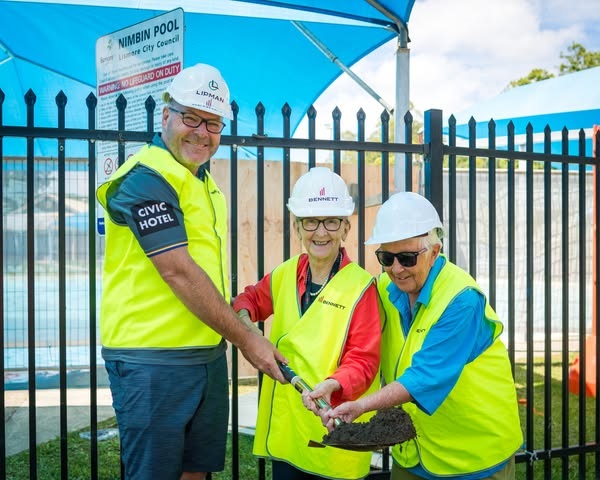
(299, 384)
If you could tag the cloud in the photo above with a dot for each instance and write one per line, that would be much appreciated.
(483, 45)
(466, 51)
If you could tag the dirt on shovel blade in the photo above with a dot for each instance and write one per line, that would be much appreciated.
(387, 427)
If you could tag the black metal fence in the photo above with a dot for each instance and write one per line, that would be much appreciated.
(522, 221)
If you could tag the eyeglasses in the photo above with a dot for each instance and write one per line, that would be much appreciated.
(330, 224)
(406, 259)
(194, 121)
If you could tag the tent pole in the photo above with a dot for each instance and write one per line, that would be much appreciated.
(329, 54)
(402, 93)
(7, 52)
(402, 106)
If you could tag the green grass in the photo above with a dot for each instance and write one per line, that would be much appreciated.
(48, 458)
(79, 467)
(553, 423)
(109, 463)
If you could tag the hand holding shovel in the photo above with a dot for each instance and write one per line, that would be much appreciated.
(388, 427)
(299, 384)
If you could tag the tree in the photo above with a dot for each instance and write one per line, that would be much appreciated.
(349, 156)
(375, 157)
(536, 75)
(577, 58)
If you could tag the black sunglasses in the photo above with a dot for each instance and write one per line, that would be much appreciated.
(406, 259)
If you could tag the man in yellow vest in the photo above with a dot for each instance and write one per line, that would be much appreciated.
(326, 320)
(442, 358)
(165, 314)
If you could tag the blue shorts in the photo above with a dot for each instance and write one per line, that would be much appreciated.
(172, 418)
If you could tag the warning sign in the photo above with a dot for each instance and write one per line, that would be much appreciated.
(109, 167)
(137, 62)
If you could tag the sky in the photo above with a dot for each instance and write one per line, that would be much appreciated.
(463, 52)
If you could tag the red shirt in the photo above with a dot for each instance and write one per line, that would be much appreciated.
(359, 363)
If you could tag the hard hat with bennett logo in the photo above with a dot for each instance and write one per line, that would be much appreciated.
(201, 87)
(405, 215)
(320, 193)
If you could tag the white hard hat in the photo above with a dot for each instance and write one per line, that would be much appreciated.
(201, 87)
(405, 215)
(320, 193)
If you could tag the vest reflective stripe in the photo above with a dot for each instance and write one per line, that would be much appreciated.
(474, 432)
(138, 308)
(313, 344)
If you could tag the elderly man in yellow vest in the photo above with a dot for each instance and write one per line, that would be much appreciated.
(442, 357)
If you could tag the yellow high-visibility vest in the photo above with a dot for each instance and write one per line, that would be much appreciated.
(313, 344)
(477, 426)
(138, 309)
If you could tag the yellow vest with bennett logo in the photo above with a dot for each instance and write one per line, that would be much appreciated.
(477, 426)
(138, 309)
(313, 344)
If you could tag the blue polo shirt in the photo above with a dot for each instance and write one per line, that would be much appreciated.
(435, 368)
(142, 185)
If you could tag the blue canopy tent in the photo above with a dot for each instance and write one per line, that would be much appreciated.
(270, 52)
(571, 101)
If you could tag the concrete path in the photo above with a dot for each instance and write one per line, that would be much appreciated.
(48, 414)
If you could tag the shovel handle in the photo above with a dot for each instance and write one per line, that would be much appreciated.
(288, 373)
(299, 384)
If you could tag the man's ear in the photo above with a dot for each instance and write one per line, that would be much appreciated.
(165, 115)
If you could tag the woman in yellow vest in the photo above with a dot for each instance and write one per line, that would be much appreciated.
(326, 322)
(442, 358)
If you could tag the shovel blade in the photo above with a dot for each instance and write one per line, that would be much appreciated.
(314, 444)
(358, 447)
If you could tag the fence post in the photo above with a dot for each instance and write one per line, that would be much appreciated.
(433, 159)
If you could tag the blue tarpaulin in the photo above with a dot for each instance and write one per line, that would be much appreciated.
(569, 101)
(257, 45)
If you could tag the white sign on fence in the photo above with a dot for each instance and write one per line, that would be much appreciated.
(137, 62)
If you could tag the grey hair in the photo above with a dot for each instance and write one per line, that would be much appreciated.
(434, 237)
